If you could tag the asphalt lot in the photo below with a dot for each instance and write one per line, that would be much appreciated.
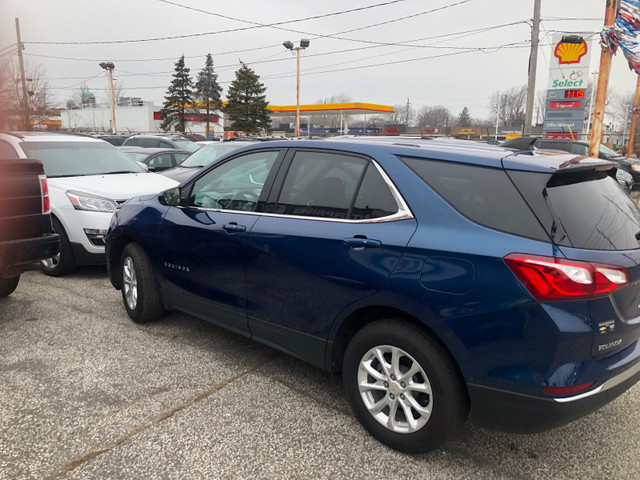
(88, 394)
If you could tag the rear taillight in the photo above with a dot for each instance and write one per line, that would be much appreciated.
(44, 190)
(549, 278)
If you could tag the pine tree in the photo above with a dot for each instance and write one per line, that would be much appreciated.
(207, 88)
(179, 95)
(464, 119)
(246, 103)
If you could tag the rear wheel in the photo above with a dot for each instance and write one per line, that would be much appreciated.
(64, 262)
(403, 386)
(140, 291)
(8, 286)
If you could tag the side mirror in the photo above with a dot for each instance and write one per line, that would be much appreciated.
(171, 197)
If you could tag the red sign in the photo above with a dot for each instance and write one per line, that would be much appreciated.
(560, 135)
(191, 117)
(563, 105)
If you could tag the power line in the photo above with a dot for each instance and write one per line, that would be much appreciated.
(239, 29)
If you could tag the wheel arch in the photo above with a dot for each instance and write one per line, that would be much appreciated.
(114, 253)
(366, 315)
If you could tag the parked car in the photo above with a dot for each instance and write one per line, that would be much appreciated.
(26, 236)
(88, 179)
(160, 141)
(115, 140)
(207, 154)
(435, 277)
(580, 147)
(157, 159)
(194, 137)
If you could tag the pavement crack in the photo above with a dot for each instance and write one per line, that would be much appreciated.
(72, 465)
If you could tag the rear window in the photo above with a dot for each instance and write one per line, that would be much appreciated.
(482, 194)
(584, 209)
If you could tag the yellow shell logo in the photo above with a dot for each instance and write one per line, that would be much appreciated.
(570, 52)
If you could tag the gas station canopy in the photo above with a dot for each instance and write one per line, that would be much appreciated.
(356, 108)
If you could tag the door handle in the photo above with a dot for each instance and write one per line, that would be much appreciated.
(362, 242)
(233, 227)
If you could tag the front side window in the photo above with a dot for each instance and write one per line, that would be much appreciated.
(234, 185)
(161, 162)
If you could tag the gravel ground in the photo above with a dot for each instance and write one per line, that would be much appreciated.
(88, 394)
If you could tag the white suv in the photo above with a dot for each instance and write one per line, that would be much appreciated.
(88, 180)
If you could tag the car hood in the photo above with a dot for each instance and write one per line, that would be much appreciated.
(117, 187)
(180, 174)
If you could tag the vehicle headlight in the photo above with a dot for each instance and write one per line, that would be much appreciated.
(635, 167)
(93, 203)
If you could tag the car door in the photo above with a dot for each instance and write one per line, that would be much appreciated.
(333, 232)
(206, 268)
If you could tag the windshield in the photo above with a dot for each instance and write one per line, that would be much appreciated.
(70, 159)
(211, 153)
(186, 145)
(606, 152)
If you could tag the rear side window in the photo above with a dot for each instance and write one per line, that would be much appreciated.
(334, 185)
(484, 195)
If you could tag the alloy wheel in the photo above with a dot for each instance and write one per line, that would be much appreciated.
(395, 389)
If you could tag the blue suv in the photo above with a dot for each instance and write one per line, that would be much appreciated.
(436, 277)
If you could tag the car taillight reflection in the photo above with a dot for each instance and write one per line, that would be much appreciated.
(549, 278)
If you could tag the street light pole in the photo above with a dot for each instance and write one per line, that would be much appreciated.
(109, 66)
(304, 43)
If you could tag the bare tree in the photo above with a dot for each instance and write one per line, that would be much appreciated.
(334, 120)
(435, 117)
(509, 106)
(403, 114)
(39, 99)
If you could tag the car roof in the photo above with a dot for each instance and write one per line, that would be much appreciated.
(457, 151)
(54, 137)
(151, 150)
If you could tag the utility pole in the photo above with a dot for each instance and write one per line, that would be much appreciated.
(109, 66)
(25, 96)
(633, 119)
(533, 67)
(304, 43)
(406, 122)
(603, 83)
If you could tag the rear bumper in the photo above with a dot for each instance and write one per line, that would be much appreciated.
(18, 256)
(513, 412)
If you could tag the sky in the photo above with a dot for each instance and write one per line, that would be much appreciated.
(454, 53)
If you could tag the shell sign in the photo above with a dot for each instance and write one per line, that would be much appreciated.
(570, 49)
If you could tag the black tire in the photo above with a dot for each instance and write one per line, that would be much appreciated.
(64, 262)
(140, 291)
(434, 396)
(8, 286)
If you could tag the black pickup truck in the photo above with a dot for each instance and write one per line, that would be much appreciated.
(26, 235)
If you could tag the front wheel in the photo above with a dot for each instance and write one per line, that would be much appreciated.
(403, 386)
(63, 262)
(140, 291)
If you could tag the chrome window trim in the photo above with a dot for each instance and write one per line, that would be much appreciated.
(403, 213)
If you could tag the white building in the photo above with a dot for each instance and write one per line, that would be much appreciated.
(134, 116)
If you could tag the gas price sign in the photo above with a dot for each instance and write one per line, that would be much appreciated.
(574, 93)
